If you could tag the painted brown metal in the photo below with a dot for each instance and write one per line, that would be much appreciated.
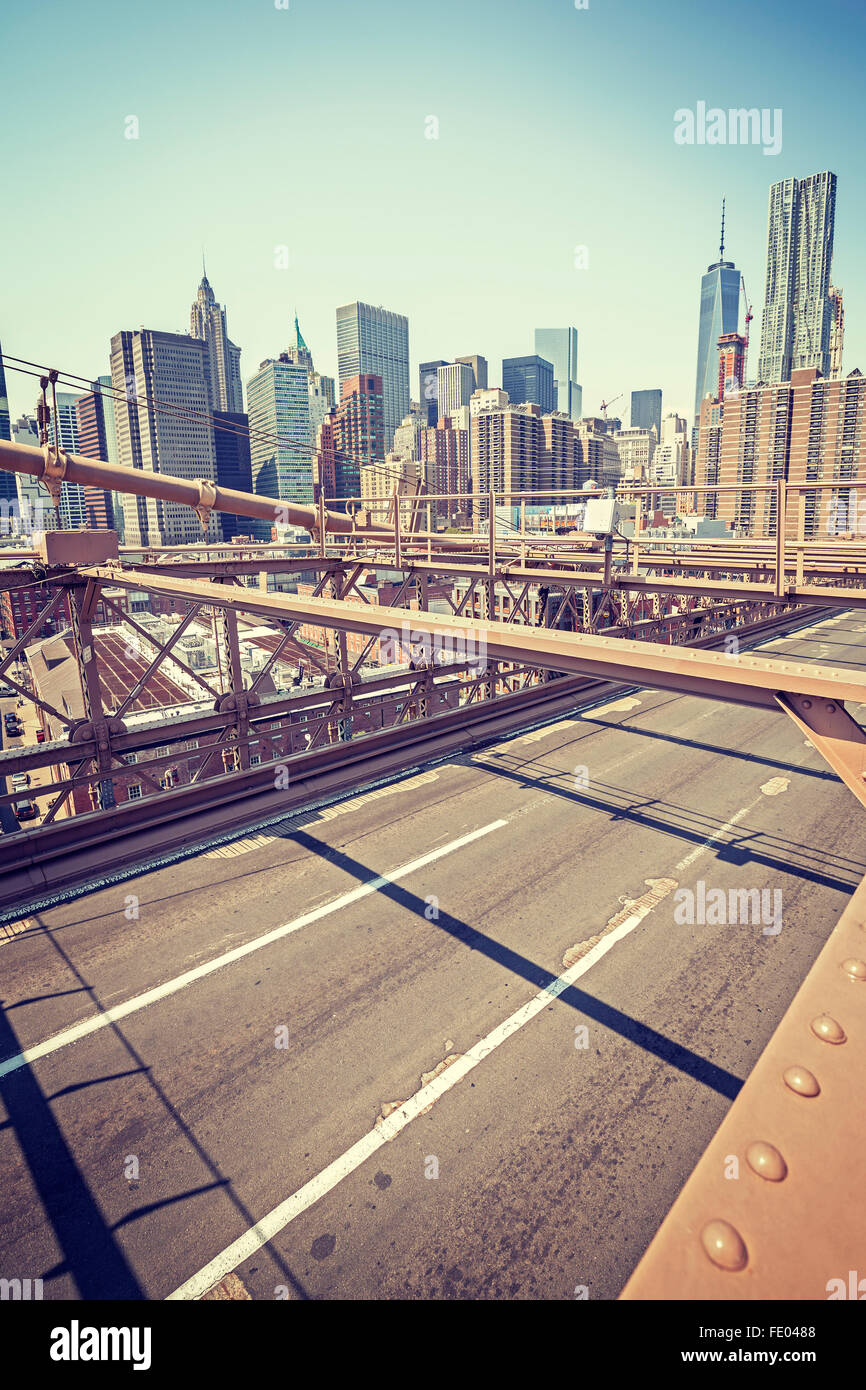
(27, 458)
(774, 1209)
(744, 679)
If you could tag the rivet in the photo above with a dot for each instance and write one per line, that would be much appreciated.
(831, 709)
(724, 1246)
(855, 968)
(801, 1081)
(828, 1030)
(807, 704)
(766, 1161)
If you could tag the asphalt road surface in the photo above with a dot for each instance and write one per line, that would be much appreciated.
(567, 1043)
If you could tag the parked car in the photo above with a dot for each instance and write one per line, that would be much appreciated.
(7, 692)
(25, 810)
(20, 781)
(40, 735)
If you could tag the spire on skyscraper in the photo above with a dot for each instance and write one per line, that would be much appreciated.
(722, 242)
(299, 341)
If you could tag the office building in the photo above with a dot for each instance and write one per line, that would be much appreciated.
(529, 379)
(646, 410)
(174, 369)
(428, 387)
(8, 491)
(479, 370)
(636, 448)
(444, 453)
(798, 310)
(375, 342)
(719, 313)
(559, 346)
(672, 426)
(233, 466)
(97, 502)
(207, 321)
(281, 452)
(455, 383)
(407, 436)
(351, 438)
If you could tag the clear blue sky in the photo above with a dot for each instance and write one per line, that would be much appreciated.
(261, 127)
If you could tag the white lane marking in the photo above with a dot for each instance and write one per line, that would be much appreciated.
(189, 977)
(388, 1129)
(776, 785)
(716, 835)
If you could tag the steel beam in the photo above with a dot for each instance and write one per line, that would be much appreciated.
(773, 1209)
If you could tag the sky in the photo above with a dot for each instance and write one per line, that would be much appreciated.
(553, 192)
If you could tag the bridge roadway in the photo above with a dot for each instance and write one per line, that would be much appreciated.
(556, 1162)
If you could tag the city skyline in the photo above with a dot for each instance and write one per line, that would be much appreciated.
(496, 278)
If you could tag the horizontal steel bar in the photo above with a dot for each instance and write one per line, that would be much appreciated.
(741, 679)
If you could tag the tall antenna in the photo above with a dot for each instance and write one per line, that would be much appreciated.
(722, 243)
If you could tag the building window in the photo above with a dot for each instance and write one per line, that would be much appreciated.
(133, 791)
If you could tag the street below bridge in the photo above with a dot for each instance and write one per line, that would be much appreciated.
(500, 940)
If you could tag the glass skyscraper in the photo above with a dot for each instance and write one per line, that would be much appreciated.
(281, 455)
(529, 379)
(8, 491)
(559, 346)
(374, 341)
(720, 310)
(798, 311)
(646, 410)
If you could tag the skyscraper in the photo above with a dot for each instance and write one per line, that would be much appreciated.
(719, 313)
(93, 444)
(173, 369)
(207, 321)
(559, 346)
(8, 490)
(529, 379)
(350, 445)
(479, 369)
(454, 386)
(233, 466)
(798, 311)
(281, 455)
(646, 406)
(375, 341)
(428, 386)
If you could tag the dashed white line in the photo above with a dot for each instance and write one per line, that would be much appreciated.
(318, 1187)
(189, 977)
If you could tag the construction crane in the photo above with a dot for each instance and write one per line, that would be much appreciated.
(748, 320)
(605, 404)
